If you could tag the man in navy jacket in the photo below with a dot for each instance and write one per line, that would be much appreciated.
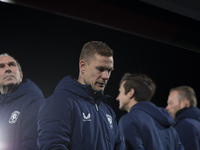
(145, 126)
(182, 104)
(76, 116)
(19, 105)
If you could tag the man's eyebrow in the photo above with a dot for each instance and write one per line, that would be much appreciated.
(110, 69)
(105, 68)
(10, 62)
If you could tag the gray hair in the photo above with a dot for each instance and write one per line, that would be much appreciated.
(19, 66)
(186, 92)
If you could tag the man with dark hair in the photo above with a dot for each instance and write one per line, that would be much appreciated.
(182, 104)
(76, 116)
(19, 105)
(145, 126)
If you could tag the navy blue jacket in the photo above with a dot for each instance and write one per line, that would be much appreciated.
(18, 117)
(187, 124)
(148, 127)
(73, 119)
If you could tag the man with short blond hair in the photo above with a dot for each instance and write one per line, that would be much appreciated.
(182, 104)
(76, 116)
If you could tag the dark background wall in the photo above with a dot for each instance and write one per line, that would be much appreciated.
(48, 46)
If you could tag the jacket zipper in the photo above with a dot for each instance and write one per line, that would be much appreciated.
(101, 132)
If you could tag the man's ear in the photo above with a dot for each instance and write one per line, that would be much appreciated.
(131, 93)
(82, 66)
(21, 75)
(184, 103)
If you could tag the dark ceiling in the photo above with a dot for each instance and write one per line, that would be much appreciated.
(188, 8)
(175, 22)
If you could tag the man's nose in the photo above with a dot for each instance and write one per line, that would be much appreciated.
(7, 68)
(167, 107)
(117, 98)
(105, 75)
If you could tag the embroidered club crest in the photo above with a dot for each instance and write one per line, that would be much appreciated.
(110, 120)
(14, 116)
(86, 118)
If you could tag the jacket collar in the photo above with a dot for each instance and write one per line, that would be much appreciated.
(71, 84)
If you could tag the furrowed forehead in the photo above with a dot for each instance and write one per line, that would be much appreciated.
(6, 59)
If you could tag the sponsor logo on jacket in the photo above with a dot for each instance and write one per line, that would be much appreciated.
(86, 118)
(14, 116)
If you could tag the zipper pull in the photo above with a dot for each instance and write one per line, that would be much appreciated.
(96, 107)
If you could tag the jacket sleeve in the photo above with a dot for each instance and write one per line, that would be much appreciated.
(188, 136)
(130, 135)
(29, 125)
(54, 124)
(118, 142)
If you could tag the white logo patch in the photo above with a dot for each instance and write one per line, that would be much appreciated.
(14, 116)
(86, 118)
(110, 120)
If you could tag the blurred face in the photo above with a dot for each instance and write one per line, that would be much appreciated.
(173, 103)
(9, 72)
(124, 99)
(97, 72)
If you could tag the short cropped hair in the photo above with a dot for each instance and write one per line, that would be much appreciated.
(144, 87)
(19, 66)
(95, 47)
(186, 92)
